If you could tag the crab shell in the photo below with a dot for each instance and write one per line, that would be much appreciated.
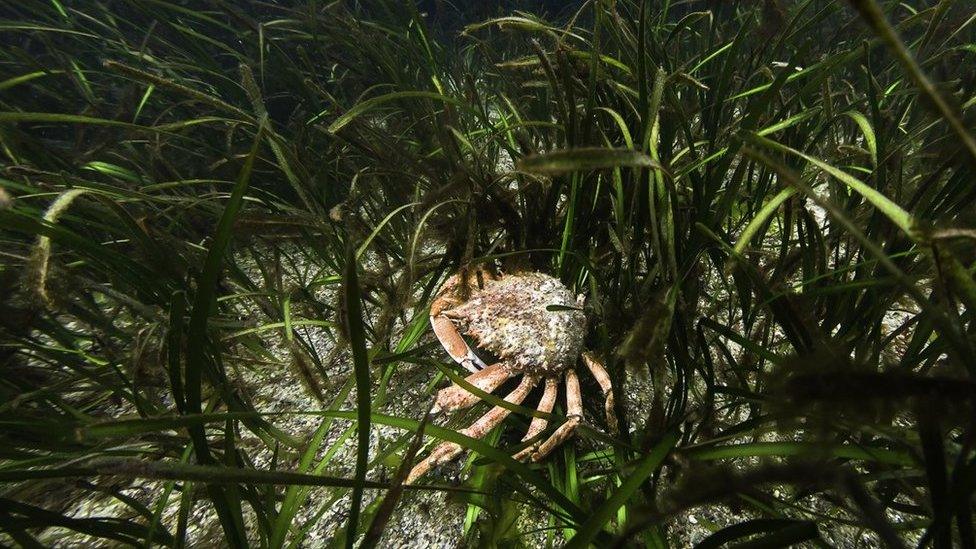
(530, 320)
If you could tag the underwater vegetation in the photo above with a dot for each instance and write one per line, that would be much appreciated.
(223, 223)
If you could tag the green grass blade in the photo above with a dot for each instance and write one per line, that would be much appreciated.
(892, 211)
(768, 209)
(198, 343)
(374, 102)
(871, 12)
(784, 449)
(583, 159)
(602, 515)
(357, 340)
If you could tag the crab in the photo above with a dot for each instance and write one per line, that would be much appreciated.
(535, 326)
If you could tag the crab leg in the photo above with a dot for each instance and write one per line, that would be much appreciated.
(538, 424)
(448, 450)
(603, 378)
(574, 413)
(456, 397)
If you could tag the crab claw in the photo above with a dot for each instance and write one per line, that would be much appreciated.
(454, 344)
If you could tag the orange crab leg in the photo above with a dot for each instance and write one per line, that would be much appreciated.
(538, 424)
(448, 450)
(603, 378)
(456, 397)
(574, 413)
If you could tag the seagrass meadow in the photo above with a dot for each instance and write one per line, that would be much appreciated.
(223, 223)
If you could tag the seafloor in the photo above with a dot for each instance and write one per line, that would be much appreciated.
(423, 518)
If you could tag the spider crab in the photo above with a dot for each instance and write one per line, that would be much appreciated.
(512, 316)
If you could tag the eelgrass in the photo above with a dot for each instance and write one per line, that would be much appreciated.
(768, 204)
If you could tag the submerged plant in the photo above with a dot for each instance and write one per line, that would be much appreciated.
(224, 223)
